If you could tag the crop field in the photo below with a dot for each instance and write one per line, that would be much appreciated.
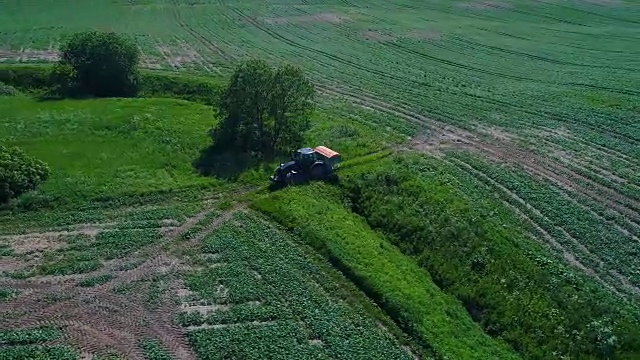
(489, 204)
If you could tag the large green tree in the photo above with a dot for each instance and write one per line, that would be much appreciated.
(103, 64)
(266, 110)
(19, 173)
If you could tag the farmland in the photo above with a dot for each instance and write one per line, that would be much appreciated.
(492, 170)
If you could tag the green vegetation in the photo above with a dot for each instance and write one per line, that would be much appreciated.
(274, 299)
(7, 294)
(19, 173)
(38, 80)
(153, 350)
(265, 110)
(83, 254)
(103, 64)
(39, 352)
(95, 280)
(29, 336)
(157, 288)
(472, 257)
(474, 249)
(8, 90)
(102, 149)
(394, 281)
(20, 344)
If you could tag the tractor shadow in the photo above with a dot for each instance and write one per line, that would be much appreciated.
(224, 163)
(229, 164)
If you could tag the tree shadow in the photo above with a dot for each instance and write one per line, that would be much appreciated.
(224, 163)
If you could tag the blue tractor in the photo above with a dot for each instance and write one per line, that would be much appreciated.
(307, 164)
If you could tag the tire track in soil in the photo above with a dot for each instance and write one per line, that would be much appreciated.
(172, 336)
(97, 319)
(503, 152)
(199, 37)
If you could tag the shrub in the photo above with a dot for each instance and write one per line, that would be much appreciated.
(32, 78)
(19, 173)
(7, 90)
(102, 64)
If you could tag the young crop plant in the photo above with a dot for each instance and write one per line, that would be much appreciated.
(268, 296)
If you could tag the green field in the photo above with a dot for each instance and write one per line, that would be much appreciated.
(488, 206)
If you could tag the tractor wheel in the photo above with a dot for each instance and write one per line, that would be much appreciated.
(294, 178)
(320, 171)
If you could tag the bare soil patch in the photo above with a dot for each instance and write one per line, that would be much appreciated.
(29, 55)
(102, 319)
(332, 18)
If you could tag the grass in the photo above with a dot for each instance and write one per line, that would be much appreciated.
(100, 149)
(404, 290)
(275, 300)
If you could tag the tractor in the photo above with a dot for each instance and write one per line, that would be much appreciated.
(307, 164)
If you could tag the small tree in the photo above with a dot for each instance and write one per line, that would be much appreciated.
(102, 64)
(265, 110)
(19, 173)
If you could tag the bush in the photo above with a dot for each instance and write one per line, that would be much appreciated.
(205, 90)
(7, 90)
(102, 64)
(30, 78)
(19, 173)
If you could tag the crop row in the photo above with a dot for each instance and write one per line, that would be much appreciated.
(395, 282)
(478, 250)
(276, 301)
(615, 248)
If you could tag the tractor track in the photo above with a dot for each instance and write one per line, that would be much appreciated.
(210, 45)
(97, 319)
(567, 254)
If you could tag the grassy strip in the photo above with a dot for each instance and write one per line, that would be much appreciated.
(394, 281)
(476, 249)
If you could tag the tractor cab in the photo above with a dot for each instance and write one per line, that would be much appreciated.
(304, 157)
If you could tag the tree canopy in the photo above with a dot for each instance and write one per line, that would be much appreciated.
(103, 64)
(266, 110)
